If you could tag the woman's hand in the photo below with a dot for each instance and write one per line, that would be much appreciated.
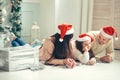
(69, 62)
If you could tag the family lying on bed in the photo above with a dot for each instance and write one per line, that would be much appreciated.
(60, 49)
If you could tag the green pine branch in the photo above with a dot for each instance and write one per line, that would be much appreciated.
(15, 18)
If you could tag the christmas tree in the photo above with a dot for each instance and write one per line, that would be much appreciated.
(15, 17)
(1, 17)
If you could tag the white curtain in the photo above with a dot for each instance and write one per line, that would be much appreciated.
(86, 15)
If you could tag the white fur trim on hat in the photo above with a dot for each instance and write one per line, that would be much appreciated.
(106, 35)
(70, 31)
(86, 38)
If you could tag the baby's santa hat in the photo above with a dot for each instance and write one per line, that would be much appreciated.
(109, 32)
(65, 29)
(85, 37)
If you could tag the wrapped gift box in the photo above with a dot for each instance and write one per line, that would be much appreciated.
(17, 58)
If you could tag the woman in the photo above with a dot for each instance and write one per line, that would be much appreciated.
(57, 49)
(82, 49)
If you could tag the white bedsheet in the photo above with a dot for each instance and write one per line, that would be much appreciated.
(99, 71)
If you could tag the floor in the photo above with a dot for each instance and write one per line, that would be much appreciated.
(99, 71)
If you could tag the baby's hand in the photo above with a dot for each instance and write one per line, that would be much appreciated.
(91, 62)
(85, 49)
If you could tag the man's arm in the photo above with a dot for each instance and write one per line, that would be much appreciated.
(109, 53)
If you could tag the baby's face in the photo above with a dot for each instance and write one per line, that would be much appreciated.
(87, 44)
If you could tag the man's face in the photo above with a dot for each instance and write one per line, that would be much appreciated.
(102, 40)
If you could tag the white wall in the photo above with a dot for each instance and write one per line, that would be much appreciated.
(30, 14)
(68, 11)
(54, 12)
(47, 18)
(32, 1)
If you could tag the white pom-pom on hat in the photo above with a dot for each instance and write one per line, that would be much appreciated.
(65, 29)
(61, 40)
(116, 38)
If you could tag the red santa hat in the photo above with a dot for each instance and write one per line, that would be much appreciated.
(109, 32)
(85, 37)
(65, 29)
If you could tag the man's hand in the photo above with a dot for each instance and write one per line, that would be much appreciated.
(106, 59)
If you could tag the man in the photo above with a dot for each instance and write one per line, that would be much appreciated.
(103, 45)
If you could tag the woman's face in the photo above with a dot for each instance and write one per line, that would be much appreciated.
(86, 45)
